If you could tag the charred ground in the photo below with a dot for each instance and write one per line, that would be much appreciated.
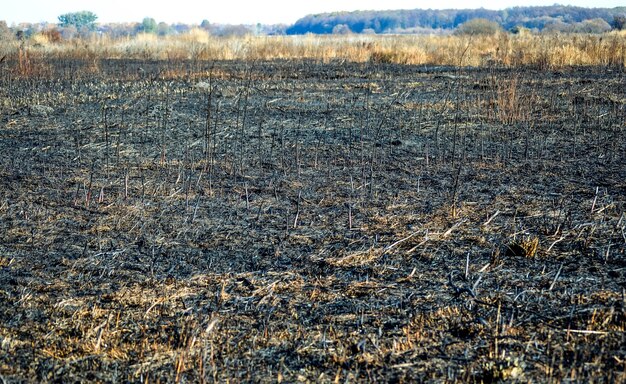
(268, 221)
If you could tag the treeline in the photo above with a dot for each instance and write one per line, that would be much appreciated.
(79, 28)
(555, 17)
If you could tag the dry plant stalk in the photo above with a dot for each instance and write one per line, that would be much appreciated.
(538, 50)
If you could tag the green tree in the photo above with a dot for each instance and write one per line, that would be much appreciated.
(619, 22)
(164, 29)
(205, 24)
(149, 25)
(81, 20)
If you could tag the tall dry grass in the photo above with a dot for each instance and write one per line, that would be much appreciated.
(540, 50)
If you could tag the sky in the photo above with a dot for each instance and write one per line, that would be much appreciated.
(239, 11)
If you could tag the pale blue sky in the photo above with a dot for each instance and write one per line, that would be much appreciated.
(239, 11)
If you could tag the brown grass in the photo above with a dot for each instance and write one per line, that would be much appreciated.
(502, 49)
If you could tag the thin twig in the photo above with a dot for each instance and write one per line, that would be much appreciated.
(595, 198)
(491, 218)
(389, 247)
(452, 228)
(558, 273)
(586, 332)
(554, 243)
(295, 221)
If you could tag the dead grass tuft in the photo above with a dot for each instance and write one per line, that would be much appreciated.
(526, 247)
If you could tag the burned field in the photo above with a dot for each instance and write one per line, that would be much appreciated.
(299, 221)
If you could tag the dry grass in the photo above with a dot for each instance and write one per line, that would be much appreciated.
(543, 51)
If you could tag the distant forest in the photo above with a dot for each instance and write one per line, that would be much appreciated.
(555, 17)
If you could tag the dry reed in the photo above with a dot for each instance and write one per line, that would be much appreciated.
(543, 50)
